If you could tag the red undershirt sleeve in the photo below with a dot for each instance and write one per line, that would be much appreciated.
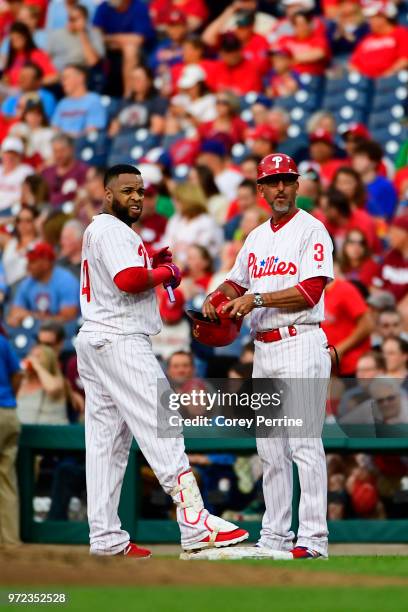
(135, 279)
(312, 289)
(240, 290)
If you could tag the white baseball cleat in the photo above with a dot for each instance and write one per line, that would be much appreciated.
(221, 533)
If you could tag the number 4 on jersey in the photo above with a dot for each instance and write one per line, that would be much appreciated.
(86, 284)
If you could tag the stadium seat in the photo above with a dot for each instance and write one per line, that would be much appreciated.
(111, 105)
(311, 82)
(239, 152)
(93, 148)
(391, 83)
(130, 145)
(384, 100)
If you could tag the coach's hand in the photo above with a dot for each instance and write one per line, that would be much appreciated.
(239, 307)
(209, 310)
(176, 275)
(163, 256)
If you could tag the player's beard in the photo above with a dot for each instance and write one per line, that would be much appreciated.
(122, 213)
(280, 208)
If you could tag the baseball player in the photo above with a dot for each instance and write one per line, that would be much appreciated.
(279, 277)
(120, 375)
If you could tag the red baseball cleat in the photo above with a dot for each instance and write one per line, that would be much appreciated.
(301, 552)
(133, 550)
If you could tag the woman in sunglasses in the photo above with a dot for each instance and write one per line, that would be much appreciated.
(356, 259)
(15, 245)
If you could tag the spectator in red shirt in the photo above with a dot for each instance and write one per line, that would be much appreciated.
(284, 26)
(356, 260)
(282, 80)
(393, 275)
(198, 272)
(349, 182)
(353, 135)
(233, 72)
(151, 225)
(193, 51)
(339, 218)
(322, 150)
(228, 124)
(23, 50)
(347, 323)
(385, 50)
(195, 11)
(240, 20)
(262, 140)
(310, 49)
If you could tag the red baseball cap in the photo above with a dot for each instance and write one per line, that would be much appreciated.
(364, 497)
(175, 17)
(263, 132)
(171, 312)
(356, 129)
(401, 222)
(321, 135)
(41, 250)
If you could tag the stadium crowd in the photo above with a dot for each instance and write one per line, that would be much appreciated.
(195, 93)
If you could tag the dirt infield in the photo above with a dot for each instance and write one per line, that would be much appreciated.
(38, 565)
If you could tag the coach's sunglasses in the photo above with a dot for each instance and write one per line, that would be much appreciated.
(286, 179)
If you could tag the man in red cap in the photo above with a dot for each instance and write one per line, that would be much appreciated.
(170, 52)
(49, 292)
(279, 277)
(322, 156)
(262, 140)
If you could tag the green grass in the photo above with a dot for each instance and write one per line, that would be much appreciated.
(245, 599)
(373, 566)
(234, 599)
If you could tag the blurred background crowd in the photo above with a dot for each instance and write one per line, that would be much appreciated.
(195, 93)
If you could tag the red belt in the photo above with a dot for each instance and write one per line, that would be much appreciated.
(273, 335)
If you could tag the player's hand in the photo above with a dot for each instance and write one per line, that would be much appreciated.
(162, 256)
(239, 307)
(176, 275)
(209, 310)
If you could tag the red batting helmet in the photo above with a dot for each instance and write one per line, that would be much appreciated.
(276, 163)
(221, 332)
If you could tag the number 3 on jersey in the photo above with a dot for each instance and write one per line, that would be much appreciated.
(319, 253)
(86, 284)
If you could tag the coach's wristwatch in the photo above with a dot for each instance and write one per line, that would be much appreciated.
(258, 300)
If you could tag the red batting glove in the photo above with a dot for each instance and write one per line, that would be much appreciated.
(176, 275)
(160, 257)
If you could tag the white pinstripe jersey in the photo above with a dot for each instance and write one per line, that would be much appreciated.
(108, 247)
(274, 260)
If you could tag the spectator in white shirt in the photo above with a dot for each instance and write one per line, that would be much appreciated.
(12, 174)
